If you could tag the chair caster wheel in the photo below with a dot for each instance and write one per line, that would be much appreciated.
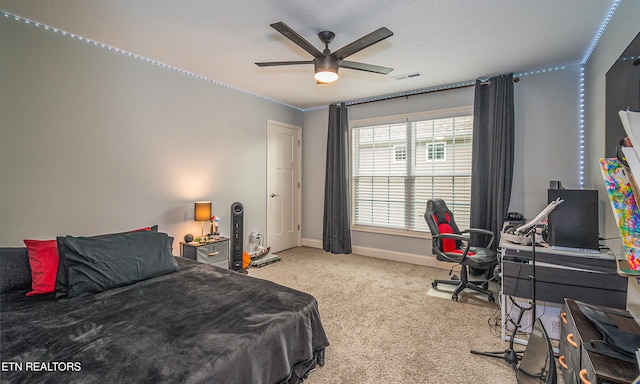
(492, 299)
(454, 277)
(434, 284)
(454, 297)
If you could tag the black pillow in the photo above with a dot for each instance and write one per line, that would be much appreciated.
(15, 272)
(99, 263)
(62, 277)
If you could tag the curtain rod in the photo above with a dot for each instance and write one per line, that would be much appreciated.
(487, 82)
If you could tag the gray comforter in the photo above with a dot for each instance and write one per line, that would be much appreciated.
(199, 324)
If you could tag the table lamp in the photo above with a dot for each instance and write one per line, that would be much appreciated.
(202, 212)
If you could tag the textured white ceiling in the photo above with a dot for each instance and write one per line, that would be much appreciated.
(448, 41)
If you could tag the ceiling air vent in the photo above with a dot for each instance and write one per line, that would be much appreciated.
(407, 76)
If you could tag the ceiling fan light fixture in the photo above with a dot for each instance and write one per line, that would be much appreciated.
(326, 69)
(326, 76)
(326, 63)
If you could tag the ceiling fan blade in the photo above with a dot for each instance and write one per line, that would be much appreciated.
(363, 42)
(275, 63)
(296, 38)
(365, 67)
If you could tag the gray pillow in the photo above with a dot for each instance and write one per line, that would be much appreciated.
(97, 264)
(62, 278)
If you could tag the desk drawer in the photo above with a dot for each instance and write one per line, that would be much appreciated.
(216, 253)
(555, 284)
(578, 364)
(569, 358)
(559, 258)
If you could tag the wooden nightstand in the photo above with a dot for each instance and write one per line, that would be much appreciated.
(215, 252)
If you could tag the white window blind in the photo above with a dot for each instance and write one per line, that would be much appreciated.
(390, 187)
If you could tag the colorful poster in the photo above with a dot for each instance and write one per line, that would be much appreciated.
(624, 208)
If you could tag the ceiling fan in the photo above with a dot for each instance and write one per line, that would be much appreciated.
(326, 62)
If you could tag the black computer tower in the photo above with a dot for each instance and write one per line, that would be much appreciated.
(574, 223)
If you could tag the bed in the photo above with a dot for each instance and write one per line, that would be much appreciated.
(194, 323)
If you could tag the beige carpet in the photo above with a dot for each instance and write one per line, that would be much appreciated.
(383, 325)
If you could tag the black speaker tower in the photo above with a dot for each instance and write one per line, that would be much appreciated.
(236, 251)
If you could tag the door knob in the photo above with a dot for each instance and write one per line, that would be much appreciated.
(274, 195)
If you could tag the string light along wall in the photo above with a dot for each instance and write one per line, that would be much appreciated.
(581, 90)
(135, 56)
(581, 127)
(215, 82)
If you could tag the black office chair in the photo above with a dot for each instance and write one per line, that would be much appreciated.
(454, 246)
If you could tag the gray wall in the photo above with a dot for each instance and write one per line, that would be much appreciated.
(547, 148)
(93, 141)
(622, 29)
(547, 137)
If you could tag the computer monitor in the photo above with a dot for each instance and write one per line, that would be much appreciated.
(574, 223)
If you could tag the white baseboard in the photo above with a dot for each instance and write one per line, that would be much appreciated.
(411, 258)
(312, 243)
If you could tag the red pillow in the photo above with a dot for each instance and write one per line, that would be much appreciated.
(43, 259)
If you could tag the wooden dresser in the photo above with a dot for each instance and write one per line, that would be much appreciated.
(577, 364)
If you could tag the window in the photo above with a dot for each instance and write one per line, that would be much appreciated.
(400, 153)
(397, 167)
(437, 151)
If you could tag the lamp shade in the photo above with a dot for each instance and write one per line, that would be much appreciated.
(326, 69)
(326, 76)
(202, 211)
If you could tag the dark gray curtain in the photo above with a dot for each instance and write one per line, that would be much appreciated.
(493, 141)
(336, 234)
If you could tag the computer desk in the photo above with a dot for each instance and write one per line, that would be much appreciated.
(560, 273)
(583, 276)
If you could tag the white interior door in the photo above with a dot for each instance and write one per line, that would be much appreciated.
(283, 186)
